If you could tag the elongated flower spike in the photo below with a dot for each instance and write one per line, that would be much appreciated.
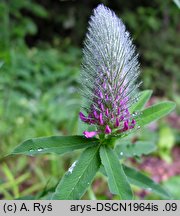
(109, 74)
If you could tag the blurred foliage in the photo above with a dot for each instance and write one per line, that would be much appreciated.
(166, 142)
(157, 32)
(40, 57)
(38, 86)
(37, 100)
(171, 185)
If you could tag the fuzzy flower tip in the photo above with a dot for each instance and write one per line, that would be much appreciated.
(109, 74)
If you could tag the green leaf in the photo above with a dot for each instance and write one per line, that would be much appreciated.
(125, 150)
(171, 185)
(142, 181)
(79, 176)
(117, 180)
(144, 96)
(54, 144)
(154, 112)
(177, 2)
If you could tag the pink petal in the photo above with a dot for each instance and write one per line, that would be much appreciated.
(82, 117)
(117, 122)
(101, 119)
(100, 94)
(126, 126)
(108, 129)
(89, 134)
(102, 107)
(95, 114)
(107, 112)
(119, 110)
(133, 122)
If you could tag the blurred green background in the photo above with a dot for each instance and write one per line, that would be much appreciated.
(40, 57)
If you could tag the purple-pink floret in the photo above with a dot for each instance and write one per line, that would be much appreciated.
(109, 113)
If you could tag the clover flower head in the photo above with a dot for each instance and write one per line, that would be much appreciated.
(109, 75)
